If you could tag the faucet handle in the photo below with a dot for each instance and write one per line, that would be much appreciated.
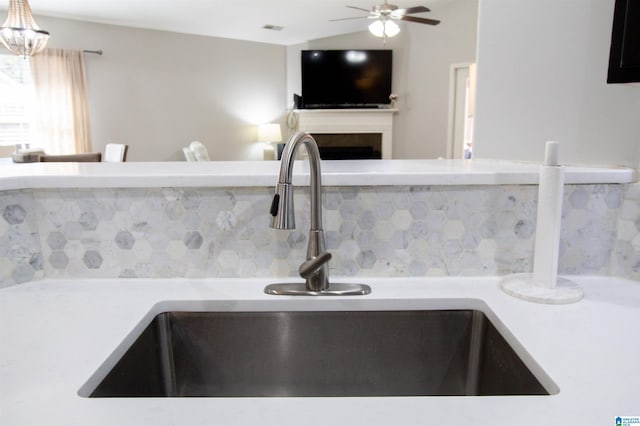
(311, 266)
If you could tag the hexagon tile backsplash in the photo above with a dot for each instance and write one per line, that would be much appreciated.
(371, 231)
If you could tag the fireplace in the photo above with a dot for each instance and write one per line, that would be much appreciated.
(349, 146)
(349, 133)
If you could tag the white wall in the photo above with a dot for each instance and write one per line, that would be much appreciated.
(157, 91)
(542, 70)
(422, 56)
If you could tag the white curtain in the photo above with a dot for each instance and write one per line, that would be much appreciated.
(62, 114)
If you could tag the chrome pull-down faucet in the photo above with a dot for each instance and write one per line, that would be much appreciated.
(315, 270)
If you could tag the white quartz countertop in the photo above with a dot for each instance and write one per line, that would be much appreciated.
(265, 173)
(55, 334)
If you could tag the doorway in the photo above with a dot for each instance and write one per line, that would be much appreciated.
(461, 111)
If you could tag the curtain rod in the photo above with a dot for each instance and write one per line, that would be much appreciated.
(95, 52)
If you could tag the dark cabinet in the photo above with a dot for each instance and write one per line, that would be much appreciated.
(624, 56)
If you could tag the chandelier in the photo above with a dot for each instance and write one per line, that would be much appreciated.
(20, 33)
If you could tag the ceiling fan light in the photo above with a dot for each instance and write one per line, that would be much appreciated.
(377, 28)
(384, 28)
(391, 28)
(20, 33)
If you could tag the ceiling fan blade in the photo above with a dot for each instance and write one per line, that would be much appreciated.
(419, 20)
(411, 10)
(348, 19)
(359, 8)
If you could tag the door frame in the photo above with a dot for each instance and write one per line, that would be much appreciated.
(455, 135)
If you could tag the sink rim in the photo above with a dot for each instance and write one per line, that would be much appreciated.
(298, 304)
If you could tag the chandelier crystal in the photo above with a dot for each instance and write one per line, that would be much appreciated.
(20, 33)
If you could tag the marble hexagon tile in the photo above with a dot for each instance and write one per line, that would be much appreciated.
(371, 231)
(21, 258)
(626, 259)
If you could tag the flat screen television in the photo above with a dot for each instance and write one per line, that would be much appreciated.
(346, 78)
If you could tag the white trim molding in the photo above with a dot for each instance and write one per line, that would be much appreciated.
(350, 121)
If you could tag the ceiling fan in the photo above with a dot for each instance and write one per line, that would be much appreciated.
(385, 14)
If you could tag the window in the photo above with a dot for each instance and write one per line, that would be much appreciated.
(17, 100)
(43, 102)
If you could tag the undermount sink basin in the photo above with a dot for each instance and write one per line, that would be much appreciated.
(314, 354)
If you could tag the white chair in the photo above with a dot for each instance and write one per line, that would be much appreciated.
(199, 151)
(188, 154)
(115, 153)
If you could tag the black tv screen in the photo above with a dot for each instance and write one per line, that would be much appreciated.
(346, 78)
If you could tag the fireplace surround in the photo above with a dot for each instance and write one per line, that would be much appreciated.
(344, 133)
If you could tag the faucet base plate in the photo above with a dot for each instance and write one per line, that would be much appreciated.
(300, 289)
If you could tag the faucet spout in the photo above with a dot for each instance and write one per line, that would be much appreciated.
(282, 206)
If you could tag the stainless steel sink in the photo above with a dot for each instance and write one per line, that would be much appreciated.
(322, 353)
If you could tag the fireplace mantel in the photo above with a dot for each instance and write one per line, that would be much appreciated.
(350, 121)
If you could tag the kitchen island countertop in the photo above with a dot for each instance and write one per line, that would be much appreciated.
(265, 173)
(54, 334)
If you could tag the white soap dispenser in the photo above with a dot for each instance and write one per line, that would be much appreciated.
(544, 285)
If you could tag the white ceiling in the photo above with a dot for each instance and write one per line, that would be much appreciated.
(302, 20)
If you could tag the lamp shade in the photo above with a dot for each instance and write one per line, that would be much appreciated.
(269, 132)
(20, 33)
(384, 28)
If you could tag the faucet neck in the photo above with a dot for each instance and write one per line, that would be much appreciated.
(315, 179)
